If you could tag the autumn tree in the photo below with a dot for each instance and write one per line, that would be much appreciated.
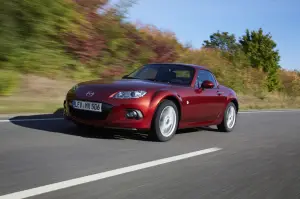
(93, 38)
(32, 31)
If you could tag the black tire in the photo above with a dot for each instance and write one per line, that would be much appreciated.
(223, 127)
(155, 133)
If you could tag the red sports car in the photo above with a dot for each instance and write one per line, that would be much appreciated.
(157, 98)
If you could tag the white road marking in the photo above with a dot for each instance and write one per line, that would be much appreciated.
(33, 119)
(271, 111)
(99, 176)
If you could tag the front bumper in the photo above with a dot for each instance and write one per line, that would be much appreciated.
(112, 116)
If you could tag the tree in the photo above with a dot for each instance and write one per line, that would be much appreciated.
(260, 49)
(223, 41)
(122, 7)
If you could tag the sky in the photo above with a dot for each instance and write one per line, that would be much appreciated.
(194, 20)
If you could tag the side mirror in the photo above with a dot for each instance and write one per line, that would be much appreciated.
(207, 84)
(124, 76)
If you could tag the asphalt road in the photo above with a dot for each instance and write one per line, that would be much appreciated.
(260, 159)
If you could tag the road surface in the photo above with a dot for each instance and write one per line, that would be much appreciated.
(45, 157)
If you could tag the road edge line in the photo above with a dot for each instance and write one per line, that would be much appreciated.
(33, 119)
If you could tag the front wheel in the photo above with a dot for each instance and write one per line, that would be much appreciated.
(165, 121)
(229, 119)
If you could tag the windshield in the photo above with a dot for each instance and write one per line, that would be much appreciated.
(168, 73)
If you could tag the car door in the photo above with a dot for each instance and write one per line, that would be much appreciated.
(210, 101)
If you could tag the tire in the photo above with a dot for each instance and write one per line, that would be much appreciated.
(171, 120)
(225, 126)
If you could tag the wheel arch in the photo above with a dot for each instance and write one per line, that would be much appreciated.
(176, 102)
(236, 103)
(161, 96)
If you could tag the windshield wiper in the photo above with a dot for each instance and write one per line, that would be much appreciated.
(130, 78)
(151, 79)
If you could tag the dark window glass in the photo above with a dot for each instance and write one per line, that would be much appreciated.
(204, 75)
(168, 73)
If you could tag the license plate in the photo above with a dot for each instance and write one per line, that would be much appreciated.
(88, 106)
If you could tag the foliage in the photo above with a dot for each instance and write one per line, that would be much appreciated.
(260, 49)
(9, 81)
(92, 39)
(223, 41)
(32, 31)
(291, 83)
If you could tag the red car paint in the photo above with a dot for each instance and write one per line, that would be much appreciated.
(197, 106)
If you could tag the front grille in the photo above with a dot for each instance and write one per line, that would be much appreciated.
(91, 115)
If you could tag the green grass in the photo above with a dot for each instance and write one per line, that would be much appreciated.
(8, 107)
(268, 102)
(9, 82)
(43, 105)
(12, 107)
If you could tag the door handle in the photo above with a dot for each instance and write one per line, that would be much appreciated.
(220, 92)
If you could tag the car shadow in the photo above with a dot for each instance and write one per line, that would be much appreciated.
(192, 130)
(55, 123)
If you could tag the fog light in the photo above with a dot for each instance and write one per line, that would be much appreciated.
(131, 114)
(134, 114)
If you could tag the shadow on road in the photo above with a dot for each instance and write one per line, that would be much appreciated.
(58, 125)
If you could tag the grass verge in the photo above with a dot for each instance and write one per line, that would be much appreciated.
(13, 107)
(43, 95)
(19, 106)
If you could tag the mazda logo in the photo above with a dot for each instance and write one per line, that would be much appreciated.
(89, 94)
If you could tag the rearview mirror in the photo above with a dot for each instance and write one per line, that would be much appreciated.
(207, 84)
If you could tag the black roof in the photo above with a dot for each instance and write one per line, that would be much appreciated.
(184, 64)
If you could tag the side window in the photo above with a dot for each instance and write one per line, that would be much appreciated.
(204, 75)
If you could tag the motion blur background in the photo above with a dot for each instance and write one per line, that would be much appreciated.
(46, 46)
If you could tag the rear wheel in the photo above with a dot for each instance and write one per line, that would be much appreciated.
(165, 122)
(229, 119)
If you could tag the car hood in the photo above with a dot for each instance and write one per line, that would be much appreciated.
(104, 89)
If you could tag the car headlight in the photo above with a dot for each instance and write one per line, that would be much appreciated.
(129, 94)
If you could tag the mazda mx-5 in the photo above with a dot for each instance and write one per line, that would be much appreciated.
(157, 98)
